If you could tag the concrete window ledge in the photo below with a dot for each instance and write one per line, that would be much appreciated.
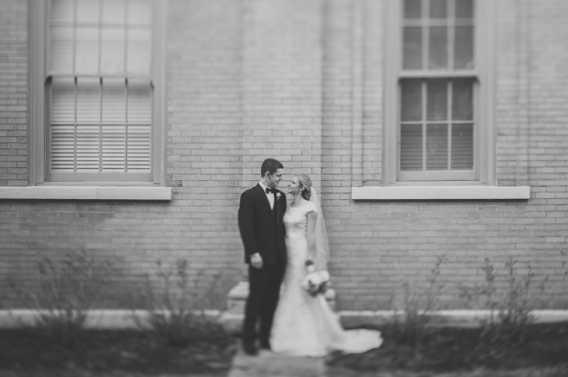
(440, 193)
(87, 193)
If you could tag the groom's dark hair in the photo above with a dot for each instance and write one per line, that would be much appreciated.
(270, 165)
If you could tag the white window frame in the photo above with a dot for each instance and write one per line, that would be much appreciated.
(483, 73)
(38, 11)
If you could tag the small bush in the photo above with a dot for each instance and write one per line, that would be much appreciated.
(67, 290)
(510, 309)
(176, 306)
(416, 305)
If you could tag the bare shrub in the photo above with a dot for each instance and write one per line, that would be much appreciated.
(68, 289)
(416, 306)
(176, 305)
(510, 308)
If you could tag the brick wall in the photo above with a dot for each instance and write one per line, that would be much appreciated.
(375, 245)
(13, 93)
(301, 81)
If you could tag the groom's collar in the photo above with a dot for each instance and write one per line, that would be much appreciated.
(263, 186)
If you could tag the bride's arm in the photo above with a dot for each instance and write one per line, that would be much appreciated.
(312, 217)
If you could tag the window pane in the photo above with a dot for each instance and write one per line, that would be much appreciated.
(411, 106)
(88, 147)
(412, 9)
(87, 50)
(462, 147)
(462, 100)
(410, 147)
(114, 147)
(436, 147)
(463, 47)
(88, 11)
(138, 58)
(114, 101)
(61, 53)
(62, 151)
(464, 8)
(437, 100)
(438, 8)
(139, 12)
(88, 101)
(138, 148)
(112, 50)
(438, 51)
(139, 102)
(114, 12)
(412, 58)
(62, 10)
(63, 101)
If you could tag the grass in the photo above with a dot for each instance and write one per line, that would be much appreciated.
(34, 351)
(449, 349)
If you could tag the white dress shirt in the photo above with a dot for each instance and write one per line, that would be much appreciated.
(269, 195)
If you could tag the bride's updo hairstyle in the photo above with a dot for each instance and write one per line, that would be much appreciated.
(305, 186)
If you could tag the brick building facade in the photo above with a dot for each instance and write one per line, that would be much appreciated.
(306, 82)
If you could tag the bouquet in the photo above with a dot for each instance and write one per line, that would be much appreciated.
(315, 282)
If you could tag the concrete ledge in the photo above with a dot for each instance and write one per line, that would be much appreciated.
(97, 319)
(123, 319)
(87, 193)
(450, 318)
(440, 193)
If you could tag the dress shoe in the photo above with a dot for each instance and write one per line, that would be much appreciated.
(265, 346)
(249, 348)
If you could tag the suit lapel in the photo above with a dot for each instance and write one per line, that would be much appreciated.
(264, 199)
(276, 209)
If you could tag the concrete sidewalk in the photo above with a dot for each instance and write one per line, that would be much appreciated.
(268, 364)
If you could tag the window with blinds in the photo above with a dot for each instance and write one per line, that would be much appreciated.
(437, 90)
(99, 90)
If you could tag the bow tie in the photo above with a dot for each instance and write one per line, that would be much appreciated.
(271, 190)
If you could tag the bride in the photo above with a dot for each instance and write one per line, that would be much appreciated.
(305, 325)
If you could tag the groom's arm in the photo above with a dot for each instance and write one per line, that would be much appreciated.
(246, 224)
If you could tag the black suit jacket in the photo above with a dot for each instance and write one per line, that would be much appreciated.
(262, 231)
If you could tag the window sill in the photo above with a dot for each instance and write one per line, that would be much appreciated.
(86, 193)
(440, 193)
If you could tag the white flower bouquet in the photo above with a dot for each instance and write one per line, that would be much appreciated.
(315, 282)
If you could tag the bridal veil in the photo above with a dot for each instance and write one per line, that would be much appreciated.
(322, 244)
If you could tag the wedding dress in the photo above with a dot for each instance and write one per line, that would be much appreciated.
(305, 325)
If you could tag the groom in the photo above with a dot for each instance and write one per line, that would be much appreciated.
(262, 230)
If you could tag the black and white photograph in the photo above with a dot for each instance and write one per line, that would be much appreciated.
(284, 188)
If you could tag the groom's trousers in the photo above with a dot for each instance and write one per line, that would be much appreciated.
(264, 291)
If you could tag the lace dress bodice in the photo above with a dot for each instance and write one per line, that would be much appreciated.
(296, 222)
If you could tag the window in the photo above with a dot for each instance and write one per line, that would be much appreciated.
(438, 92)
(101, 89)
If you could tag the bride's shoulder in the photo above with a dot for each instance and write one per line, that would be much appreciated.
(310, 206)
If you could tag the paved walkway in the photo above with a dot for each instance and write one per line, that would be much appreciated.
(268, 364)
